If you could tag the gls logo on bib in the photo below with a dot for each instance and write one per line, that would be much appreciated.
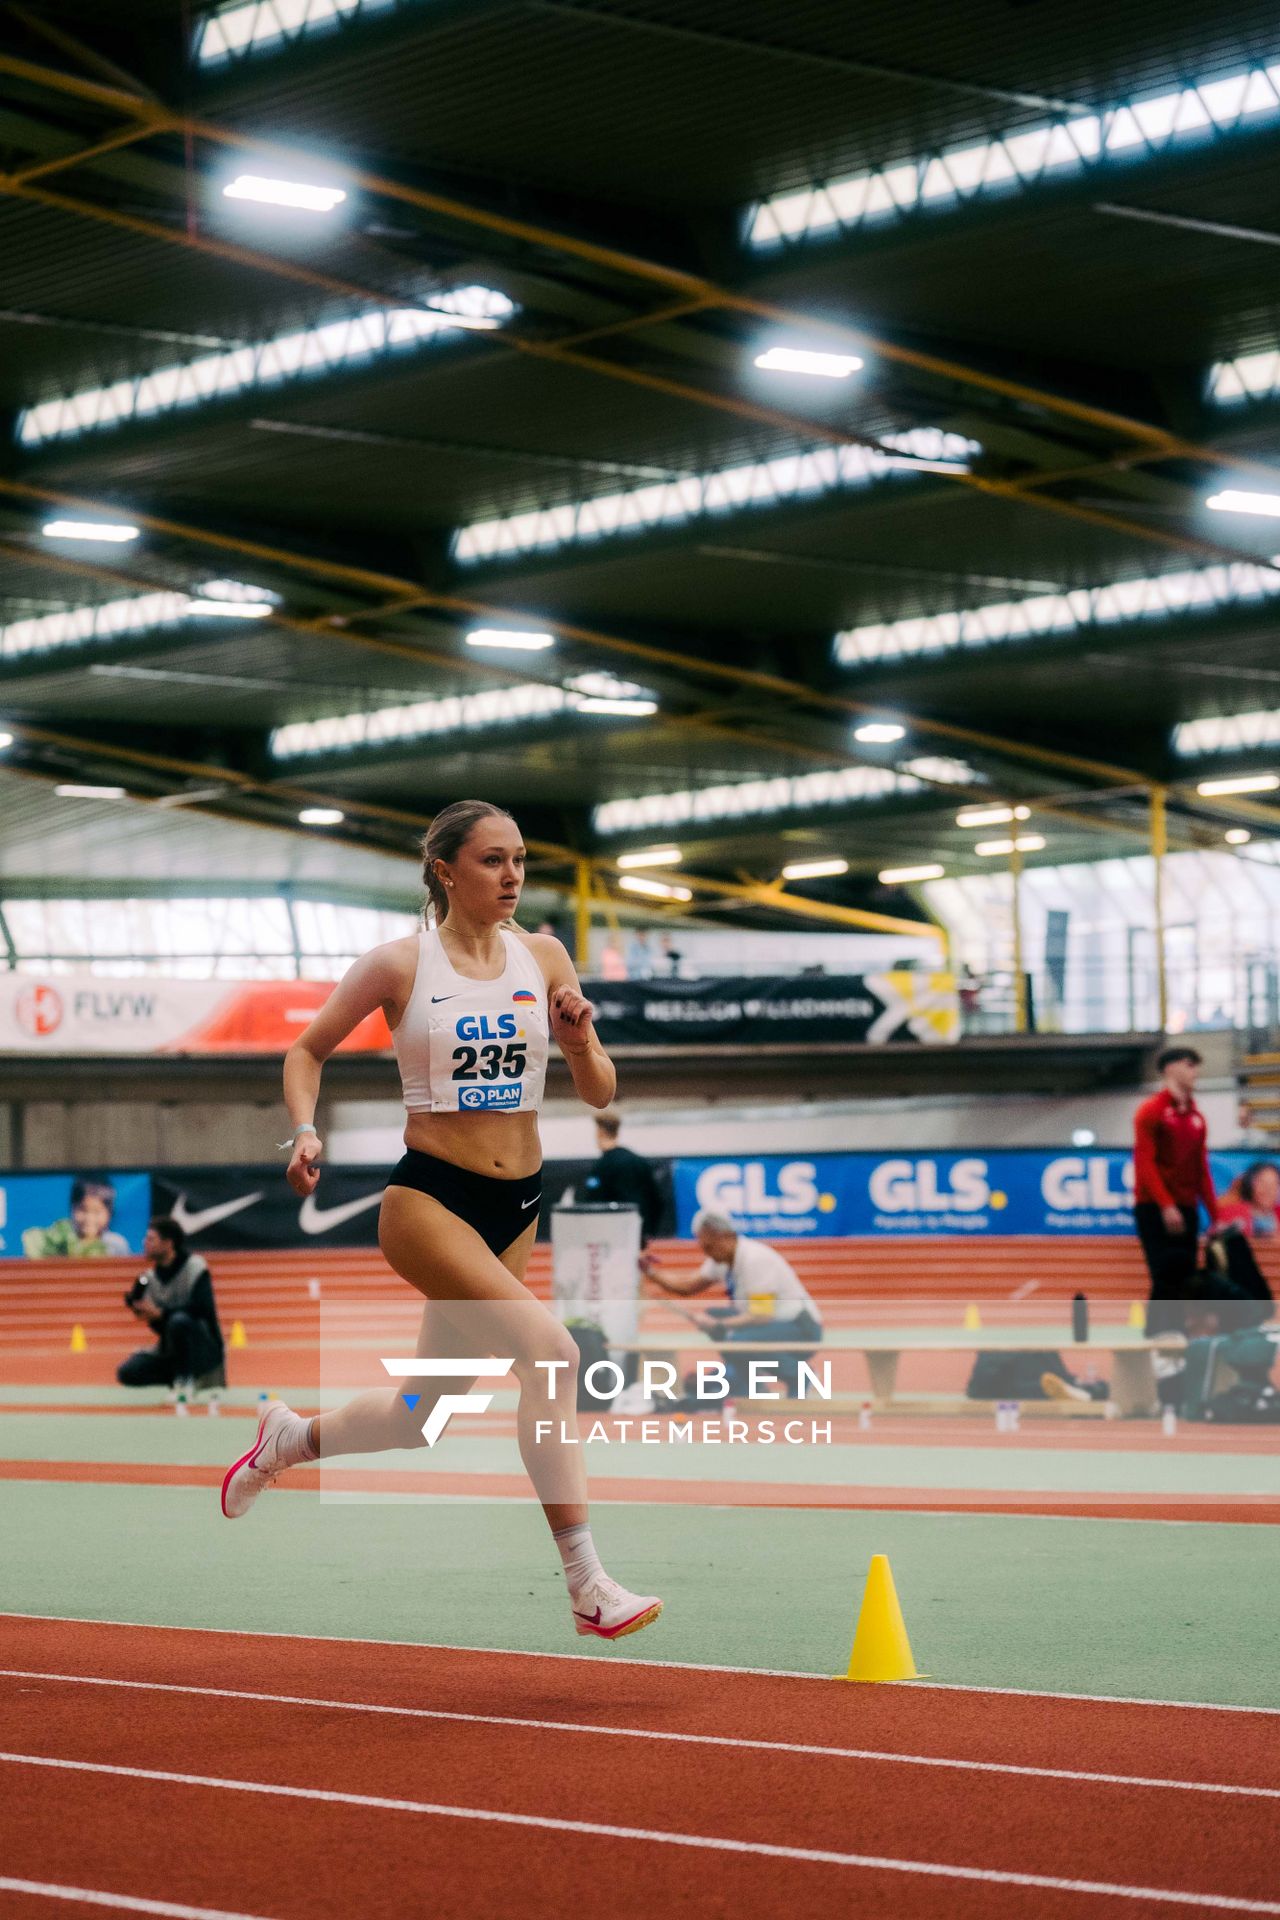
(489, 1096)
(486, 1026)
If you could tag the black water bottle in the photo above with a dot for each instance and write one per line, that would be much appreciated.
(1079, 1319)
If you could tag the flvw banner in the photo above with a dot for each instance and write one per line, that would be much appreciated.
(1007, 1192)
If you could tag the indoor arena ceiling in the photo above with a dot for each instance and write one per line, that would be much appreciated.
(509, 381)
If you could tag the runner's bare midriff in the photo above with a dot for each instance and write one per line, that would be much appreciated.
(505, 1146)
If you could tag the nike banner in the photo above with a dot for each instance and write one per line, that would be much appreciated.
(223, 1208)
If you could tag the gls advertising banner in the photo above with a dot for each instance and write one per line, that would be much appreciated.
(1008, 1193)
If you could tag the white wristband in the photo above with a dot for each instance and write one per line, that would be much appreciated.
(308, 1126)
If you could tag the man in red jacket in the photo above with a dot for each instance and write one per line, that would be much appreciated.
(1171, 1178)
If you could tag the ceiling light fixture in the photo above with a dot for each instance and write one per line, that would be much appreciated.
(653, 889)
(652, 857)
(814, 869)
(516, 640)
(1242, 783)
(97, 530)
(902, 876)
(1233, 500)
(991, 816)
(878, 732)
(1025, 843)
(1237, 836)
(73, 792)
(6, 740)
(269, 192)
(639, 708)
(228, 609)
(322, 816)
(821, 366)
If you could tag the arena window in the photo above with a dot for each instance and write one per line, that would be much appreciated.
(1015, 161)
(216, 376)
(730, 490)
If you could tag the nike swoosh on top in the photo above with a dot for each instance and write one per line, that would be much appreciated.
(436, 998)
(592, 1619)
(193, 1223)
(526, 1204)
(314, 1219)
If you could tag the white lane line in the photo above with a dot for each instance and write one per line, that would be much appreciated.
(634, 1660)
(809, 1856)
(118, 1902)
(647, 1733)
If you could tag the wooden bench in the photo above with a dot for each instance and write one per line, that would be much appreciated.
(1133, 1375)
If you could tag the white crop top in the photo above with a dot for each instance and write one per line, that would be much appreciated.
(474, 1045)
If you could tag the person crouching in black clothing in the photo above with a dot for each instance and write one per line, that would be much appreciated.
(174, 1297)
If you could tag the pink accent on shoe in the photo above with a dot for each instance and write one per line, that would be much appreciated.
(245, 1460)
(633, 1625)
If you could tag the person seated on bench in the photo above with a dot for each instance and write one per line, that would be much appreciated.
(174, 1297)
(768, 1300)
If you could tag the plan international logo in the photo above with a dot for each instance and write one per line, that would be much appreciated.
(712, 1384)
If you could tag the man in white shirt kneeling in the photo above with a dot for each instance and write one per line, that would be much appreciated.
(767, 1300)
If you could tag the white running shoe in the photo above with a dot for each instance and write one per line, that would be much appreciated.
(265, 1460)
(607, 1610)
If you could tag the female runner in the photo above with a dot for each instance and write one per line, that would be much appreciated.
(471, 1006)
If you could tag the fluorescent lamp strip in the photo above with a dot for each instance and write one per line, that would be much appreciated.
(783, 794)
(108, 620)
(730, 490)
(290, 356)
(273, 24)
(113, 619)
(1253, 376)
(1162, 596)
(1059, 148)
(1227, 733)
(460, 713)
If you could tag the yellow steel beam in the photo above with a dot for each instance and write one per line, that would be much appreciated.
(1020, 1008)
(89, 57)
(582, 914)
(760, 894)
(98, 94)
(1159, 848)
(125, 136)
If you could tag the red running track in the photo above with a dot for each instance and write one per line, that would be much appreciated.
(503, 1784)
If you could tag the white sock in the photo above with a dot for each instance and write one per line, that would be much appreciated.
(578, 1552)
(295, 1441)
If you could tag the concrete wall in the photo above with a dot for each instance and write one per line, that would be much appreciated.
(81, 1114)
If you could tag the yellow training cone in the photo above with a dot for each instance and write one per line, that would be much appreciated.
(78, 1342)
(881, 1649)
(972, 1319)
(1137, 1316)
(238, 1336)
